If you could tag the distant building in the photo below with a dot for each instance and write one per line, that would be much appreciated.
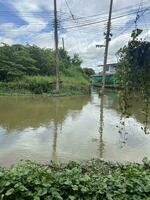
(110, 69)
(110, 75)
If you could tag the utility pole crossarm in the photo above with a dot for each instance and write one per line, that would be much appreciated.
(99, 45)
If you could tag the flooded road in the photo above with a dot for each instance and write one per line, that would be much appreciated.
(69, 128)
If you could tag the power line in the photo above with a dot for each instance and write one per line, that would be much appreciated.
(83, 22)
(69, 10)
(135, 21)
(81, 26)
(64, 13)
(72, 16)
(105, 20)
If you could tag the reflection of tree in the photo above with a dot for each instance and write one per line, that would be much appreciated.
(23, 112)
(101, 127)
(136, 110)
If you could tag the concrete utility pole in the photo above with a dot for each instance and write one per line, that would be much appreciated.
(56, 46)
(106, 46)
(63, 43)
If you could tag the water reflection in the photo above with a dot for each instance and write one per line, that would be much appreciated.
(68, 128)
(54, 149)
(18, 113)
(101, 128)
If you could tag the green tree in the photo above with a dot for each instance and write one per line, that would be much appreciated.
(89, 71)
(9, 70)
(19, 60)
(21, 56)
(65, 59)
(76, 60)
(44, 60)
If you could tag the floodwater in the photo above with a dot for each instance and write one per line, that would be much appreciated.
(69, 128)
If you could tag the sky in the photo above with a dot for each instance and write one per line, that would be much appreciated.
(31, 22)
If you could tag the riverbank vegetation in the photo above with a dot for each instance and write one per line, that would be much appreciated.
(31, 70)
(134, 75)
(93, 180)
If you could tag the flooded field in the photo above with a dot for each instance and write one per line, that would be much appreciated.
(69, 128)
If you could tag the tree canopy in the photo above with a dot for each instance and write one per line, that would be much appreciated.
(18, 60)
(89, 71)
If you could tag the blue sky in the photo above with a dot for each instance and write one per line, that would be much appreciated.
(26, 21)
(8, 14)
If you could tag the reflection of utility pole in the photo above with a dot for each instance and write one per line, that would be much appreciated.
(108, 34)
(101, 128)
(54, 150)
(56, 46)
(63, 43)
(55, 138)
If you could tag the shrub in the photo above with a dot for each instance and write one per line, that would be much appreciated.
(93, 180)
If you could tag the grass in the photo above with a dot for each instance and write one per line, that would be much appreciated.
(72, 82)
(74, 76)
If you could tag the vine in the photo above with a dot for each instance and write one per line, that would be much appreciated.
(134, 76)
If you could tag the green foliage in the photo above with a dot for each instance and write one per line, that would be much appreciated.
(136, 33)
(89, 71)
(134, 74)
(38, 84)
(74, 75)
(65, 60)
(76, 61)
(34, 84)
(44, 60)
(15, 61)
(73, 83)
(93, 180)
(30, 69)
(18, 60)
(10, 71)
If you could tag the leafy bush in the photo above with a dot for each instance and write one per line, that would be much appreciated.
(93, 180)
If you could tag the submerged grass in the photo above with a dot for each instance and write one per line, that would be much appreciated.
(93, 180)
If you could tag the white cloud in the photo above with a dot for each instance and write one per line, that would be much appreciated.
(44, 40)
(6, 40)
(13, 31)
(81, 40)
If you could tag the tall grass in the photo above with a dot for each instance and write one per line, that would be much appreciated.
(74, 76)
(73, 81)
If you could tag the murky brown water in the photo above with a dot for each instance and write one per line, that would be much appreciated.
(68, 128)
